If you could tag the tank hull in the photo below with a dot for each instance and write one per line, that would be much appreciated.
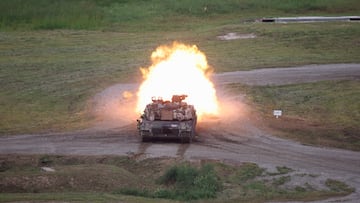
(181, 130)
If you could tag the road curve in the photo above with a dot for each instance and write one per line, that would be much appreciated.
(235, 138)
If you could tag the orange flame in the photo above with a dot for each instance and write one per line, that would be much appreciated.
(178, 69)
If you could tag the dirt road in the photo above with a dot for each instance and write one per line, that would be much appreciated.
(234, 137)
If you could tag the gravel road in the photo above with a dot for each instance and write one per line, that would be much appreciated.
(234, 137)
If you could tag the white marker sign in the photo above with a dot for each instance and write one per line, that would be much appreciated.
(277, 113)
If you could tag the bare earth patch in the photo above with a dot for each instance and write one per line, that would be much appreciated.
(234, 35)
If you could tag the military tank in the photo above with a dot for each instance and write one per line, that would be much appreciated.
(168, 119)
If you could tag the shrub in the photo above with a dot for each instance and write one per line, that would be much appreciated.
(189, 183)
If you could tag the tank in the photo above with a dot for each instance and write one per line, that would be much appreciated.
(168, 119)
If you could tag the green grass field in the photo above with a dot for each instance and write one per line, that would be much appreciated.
(124, 15)
(114, 178)
(55, 55)
(323, 113)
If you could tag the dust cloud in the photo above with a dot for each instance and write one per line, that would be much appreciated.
(115, 106)
(234, 115)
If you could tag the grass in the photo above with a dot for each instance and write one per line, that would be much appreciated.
(48, 86)
(281, 170)
(77, 197)
(190, 183)
(337, 186)
(248, 183)
(284, 169)
(123, 14)
(248, 171)
(48, 15)
(284, 45)
(185, 182)
(322, 113)
(49, 77)
(114, 178)
(281, 180)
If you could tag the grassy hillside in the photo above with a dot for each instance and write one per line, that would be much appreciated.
(123, 15)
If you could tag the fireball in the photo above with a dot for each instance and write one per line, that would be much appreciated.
(178, 69)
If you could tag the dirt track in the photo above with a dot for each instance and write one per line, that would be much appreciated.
(235, 137)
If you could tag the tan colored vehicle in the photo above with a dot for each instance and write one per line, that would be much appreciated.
(168, 119)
